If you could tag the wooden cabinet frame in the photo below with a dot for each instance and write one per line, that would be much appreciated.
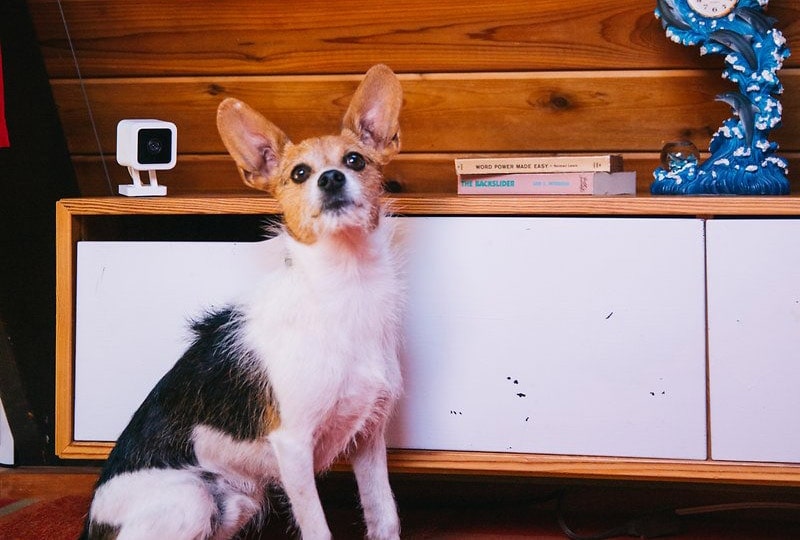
(76, 217)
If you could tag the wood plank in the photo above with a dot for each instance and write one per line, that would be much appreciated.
(702, 206)
(486, 112)
(83, 450)
(409, 173)
(595, 468)
(686, 206)
(214, 173)
(67, 236)
(242, 37)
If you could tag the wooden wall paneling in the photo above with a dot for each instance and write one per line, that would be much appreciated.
(210, 173)
(478, 78)
(204, 37)
(408, 173)
(445, 115)
(545, 112)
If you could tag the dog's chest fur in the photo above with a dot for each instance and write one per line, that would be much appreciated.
(330, 352)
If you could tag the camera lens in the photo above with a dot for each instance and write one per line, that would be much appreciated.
(154, 146)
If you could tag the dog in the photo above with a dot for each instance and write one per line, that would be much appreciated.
(273, 390)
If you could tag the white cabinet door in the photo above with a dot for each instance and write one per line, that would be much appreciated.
(754, 339)
(555, 335)
(134, 303)
(567, 336)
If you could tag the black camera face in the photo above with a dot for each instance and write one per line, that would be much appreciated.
(154, 146)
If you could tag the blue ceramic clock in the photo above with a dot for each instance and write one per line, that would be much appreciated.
(743, 161)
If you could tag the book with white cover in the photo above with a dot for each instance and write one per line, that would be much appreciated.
(578, 183)
(539, 164)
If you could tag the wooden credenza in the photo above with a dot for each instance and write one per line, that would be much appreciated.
(630, 338)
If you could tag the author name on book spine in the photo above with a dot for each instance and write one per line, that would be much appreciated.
(522, 167)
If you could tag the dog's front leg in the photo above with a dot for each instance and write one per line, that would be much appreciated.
(295, 456)
(380, 510)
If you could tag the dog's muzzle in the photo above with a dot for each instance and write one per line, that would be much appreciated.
(332, 184)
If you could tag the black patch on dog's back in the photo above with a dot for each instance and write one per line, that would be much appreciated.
(216, 383)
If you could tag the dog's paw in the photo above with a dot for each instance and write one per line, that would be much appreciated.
(387, 530)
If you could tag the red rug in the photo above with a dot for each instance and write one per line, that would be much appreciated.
(62, 519)
(29, 519)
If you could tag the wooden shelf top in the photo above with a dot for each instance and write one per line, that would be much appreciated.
(565, 205)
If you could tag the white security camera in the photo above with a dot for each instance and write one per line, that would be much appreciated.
(146, 145)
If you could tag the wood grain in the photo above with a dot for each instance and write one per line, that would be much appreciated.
(596, 468)
(478, 78)
(426, 204)
(485, 112)
(67, 236)
(409, 173)
(235, 37)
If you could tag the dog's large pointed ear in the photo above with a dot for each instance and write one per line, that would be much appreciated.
(373, 114)
(255, 143)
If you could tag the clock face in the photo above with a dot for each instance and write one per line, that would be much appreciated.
(712, 9)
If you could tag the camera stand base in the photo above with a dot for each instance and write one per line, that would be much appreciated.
(130, 190)
(138, 189)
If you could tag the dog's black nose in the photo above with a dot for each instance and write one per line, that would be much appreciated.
(331, 181)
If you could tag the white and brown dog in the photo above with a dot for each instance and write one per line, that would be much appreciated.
(272, 391)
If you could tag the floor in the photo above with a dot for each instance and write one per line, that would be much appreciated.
(446, 507)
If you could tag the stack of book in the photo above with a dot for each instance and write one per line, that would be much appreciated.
(553, 175)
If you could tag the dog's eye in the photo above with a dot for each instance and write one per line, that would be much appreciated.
(355, 161)
(301, 173)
